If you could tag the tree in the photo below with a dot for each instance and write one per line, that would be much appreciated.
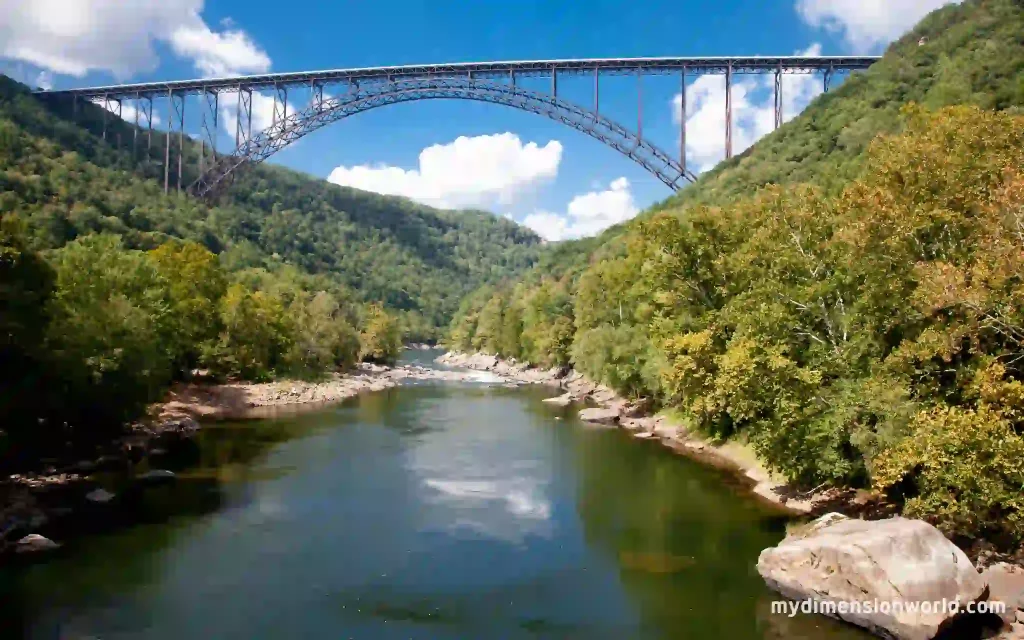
(196, 283)
(112, 331)
(26, 287)
(381, 338)
(255, 336)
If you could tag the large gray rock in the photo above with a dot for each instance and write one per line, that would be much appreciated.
(156, 476)
(99, 496)
(600, 416)
(840, 562)
(34, 543)
(1006, 584)
(563, 400)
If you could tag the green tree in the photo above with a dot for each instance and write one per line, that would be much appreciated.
(255, 337)
(381, 338)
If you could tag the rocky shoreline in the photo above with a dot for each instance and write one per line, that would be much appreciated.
(58, 499)
(613, 410)
(836, 558)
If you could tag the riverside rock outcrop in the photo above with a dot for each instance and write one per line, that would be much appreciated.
(908, 564)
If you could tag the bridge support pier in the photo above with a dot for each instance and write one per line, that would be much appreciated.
(778, 96)
(639, 109)
(243, 110)
(208, 126)
(728, 112)
(316, 92)
(179, 114)
(167, 141)
(280, 104)
(135, 130)
(149, 126)
(682, 119)
(106, 112)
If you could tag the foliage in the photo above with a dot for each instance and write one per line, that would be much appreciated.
(26, 287)
(851, 338)
(419, 262)
(965, 468)
(256, 334)
(112, 330)
(381, 338)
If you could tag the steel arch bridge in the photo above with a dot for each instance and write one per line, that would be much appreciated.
(370, 88)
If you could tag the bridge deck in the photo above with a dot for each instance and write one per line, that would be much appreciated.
(608, 66)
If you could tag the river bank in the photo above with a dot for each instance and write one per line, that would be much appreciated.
(608, 408)
(50, 501)
(613, 410)
(806, 565)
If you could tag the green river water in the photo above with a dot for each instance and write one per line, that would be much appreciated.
(432, 510)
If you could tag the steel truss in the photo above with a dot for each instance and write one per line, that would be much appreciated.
(496, 71)
(363, 98)
(495, 82)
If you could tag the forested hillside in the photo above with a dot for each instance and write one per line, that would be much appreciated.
(966, 53)
(864, 328)
(65, 182)
(110, 290)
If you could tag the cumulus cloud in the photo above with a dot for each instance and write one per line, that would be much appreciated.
(587, 213)
(753, 109)
(475, 171)
(867, 25)
(218, 54)
(79, 36)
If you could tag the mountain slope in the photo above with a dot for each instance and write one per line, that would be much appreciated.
(972, 53)
(64, 181)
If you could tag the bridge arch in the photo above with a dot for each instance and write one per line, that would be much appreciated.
(372, 95)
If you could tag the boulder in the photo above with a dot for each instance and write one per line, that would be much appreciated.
(99, 496)
(34, 543)
(562, 401)
(842, 562)
(603, 395)
(600, 416)
(1006, 584)
(156, 476)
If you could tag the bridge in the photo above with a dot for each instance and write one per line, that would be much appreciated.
(333, 95)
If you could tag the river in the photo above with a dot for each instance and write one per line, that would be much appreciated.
(432, 510)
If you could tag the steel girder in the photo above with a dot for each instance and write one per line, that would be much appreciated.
(366, 96)
(491, 71)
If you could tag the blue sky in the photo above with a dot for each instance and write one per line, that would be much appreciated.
(458, 153)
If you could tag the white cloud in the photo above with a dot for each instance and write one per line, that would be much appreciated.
(867, 25)
(74, 37)
(44, 80)
(753, 111)
(468, 172)
(587, 213)
(219, 54)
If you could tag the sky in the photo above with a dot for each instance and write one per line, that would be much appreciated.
(452, 153)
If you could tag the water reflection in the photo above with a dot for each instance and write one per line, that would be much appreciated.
(429, 511)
